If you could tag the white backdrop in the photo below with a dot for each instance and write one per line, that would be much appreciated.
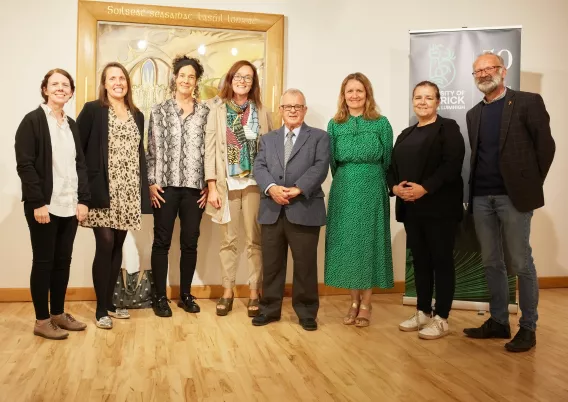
(325, 41)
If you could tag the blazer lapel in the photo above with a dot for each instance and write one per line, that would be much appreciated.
(280, 145)
(104, 138)
(301, 140)
(476, 121)
(506, 118)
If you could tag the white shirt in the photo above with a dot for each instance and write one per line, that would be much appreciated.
(296, 132)
(65, 182)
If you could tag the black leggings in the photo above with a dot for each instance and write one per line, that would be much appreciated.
(106, 266)
(432, 244)
(52, 246)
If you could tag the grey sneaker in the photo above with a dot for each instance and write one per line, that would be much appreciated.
(104, 322)
(120, 313)
(49, 330)
(68, 322)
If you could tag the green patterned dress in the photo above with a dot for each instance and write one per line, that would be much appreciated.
(358, 242)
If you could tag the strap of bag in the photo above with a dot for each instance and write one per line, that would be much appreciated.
(129, 292)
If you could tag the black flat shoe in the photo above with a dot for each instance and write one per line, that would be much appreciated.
(309, 324)
(160, 306)
(489, 329)
(522, 342)
(261, 320)
(188, 303)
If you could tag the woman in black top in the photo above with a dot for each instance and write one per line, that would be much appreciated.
(112, 131)
(55, 193)
(425, 176)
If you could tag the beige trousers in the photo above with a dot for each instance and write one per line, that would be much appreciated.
(243, 203)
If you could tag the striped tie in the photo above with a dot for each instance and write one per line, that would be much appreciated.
(288, 145)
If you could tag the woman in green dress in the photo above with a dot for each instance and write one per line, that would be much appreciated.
(358, 243)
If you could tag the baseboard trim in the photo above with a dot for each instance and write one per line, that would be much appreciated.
(552, 282)
(199, 291)
(216, 291)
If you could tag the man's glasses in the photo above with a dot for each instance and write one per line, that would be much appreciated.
(289, 108)
(486, 70)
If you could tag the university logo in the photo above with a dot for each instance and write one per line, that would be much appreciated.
(442, 68)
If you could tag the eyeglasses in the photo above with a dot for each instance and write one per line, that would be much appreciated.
(486, 70)
(289, 108)
(238, 77)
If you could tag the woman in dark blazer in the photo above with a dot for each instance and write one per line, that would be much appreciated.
(112, 133)
(55, 193)
(425, 176)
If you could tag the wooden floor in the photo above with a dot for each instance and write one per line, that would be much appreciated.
(208, 358)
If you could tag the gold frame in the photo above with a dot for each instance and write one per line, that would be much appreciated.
(90, 12)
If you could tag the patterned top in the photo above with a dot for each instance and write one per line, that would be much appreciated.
(65, 181)
(125, 212)
(176, 146)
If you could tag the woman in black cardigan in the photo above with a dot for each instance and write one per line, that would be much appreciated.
(425, 176)
(112, 131)
(55, 193)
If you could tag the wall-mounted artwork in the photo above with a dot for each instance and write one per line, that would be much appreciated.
(146, 38)
(147, 52)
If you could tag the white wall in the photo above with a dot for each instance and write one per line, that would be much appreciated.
(325, 40)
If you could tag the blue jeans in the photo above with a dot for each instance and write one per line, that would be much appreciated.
(503, 234)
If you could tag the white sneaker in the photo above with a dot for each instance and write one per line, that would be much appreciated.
(436, 328)
(104, 322)
(120, 313)
(412, 323)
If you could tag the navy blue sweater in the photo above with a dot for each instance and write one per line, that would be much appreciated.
(487, 178)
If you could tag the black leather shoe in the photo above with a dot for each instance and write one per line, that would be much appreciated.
(187, 302)
(160, 306)
(522, 342)
(261, 320)
(309, 324)
(489, 329)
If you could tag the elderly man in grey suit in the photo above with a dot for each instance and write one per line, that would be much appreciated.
(290, 167)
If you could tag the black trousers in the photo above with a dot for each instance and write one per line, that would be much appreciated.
(52, 246)
(303, 242)
(180, 201)
(432, 244)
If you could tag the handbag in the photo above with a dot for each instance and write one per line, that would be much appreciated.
(133, 290)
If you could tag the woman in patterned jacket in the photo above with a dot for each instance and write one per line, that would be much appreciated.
(234, 125)
(176, 150)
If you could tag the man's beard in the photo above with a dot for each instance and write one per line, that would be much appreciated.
(489, 84)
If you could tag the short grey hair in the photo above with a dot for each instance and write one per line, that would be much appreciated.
(293, 91)
(490, 53)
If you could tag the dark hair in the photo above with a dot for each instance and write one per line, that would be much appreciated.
(181, 61)
(371, 111)
(128, 99)
(49, 74)
(427, 84)
(227, 89)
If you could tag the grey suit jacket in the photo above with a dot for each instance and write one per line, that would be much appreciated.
(307, 169)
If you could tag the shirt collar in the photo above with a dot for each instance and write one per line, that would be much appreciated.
(497, 98)
(296, 131)
(49, 113)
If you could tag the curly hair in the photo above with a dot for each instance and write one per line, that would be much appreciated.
(178, 63)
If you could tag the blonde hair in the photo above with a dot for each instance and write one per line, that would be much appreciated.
(371, 111)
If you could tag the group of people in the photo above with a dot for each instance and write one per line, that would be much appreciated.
(223, 157)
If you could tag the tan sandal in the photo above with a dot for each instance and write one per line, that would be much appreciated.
(363, 321)
(349, 319)
(227, 303)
